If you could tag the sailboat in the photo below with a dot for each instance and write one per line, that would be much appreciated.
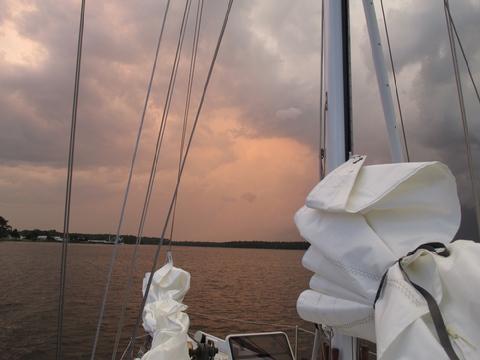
(162, 312)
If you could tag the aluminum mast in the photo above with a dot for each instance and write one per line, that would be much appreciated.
(338, 114)
(396, 146)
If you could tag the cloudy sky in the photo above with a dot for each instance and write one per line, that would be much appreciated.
(254, 157)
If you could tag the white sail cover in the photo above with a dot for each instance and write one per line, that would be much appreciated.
(164, 317)
(359, 221)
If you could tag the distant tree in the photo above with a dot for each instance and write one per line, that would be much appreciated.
(5, 229)
(15, 234)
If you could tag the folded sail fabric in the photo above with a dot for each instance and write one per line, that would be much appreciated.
(164, 317)
(359, 221)
(402, 318)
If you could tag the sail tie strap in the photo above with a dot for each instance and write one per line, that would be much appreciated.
(435, 313)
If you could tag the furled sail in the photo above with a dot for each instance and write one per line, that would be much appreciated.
(164, 317)
(360, 220)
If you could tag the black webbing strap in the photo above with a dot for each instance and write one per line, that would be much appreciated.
(442, 333)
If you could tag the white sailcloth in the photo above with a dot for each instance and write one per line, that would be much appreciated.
(402, 318)
(359, 221)
(164, 317)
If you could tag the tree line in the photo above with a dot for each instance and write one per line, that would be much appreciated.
(7, 232)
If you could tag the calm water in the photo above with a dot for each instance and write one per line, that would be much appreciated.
(236, 284)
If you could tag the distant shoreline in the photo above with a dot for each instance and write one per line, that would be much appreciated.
(127, 239)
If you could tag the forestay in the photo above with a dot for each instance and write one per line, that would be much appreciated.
(359, 221)
(164, 317)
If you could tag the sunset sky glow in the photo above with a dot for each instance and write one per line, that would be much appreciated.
(254, 156)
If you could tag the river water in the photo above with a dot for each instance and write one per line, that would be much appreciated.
(229, 288)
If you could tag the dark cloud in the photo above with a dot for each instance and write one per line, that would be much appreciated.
(432, 108)
(264, 93)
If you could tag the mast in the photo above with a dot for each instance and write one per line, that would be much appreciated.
(338, 112)
(337, 80)
(338, 118)
(396, 146)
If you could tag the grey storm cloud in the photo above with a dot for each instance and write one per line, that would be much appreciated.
(268, 71)
(259, 58)
(427, 88)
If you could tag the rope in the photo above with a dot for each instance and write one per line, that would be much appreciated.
(127, 189)
(189, 143)
(68, 191)
(395, 82)
(193, 61)
(153, 171)
(462, 112)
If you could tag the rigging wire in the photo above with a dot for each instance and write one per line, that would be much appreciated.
(68, 191)
(158, 147)
(407, 153)
(191, 75)
(464, 55)
(463, 113)
(129, 181)
(187, 149)
(321, 114)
